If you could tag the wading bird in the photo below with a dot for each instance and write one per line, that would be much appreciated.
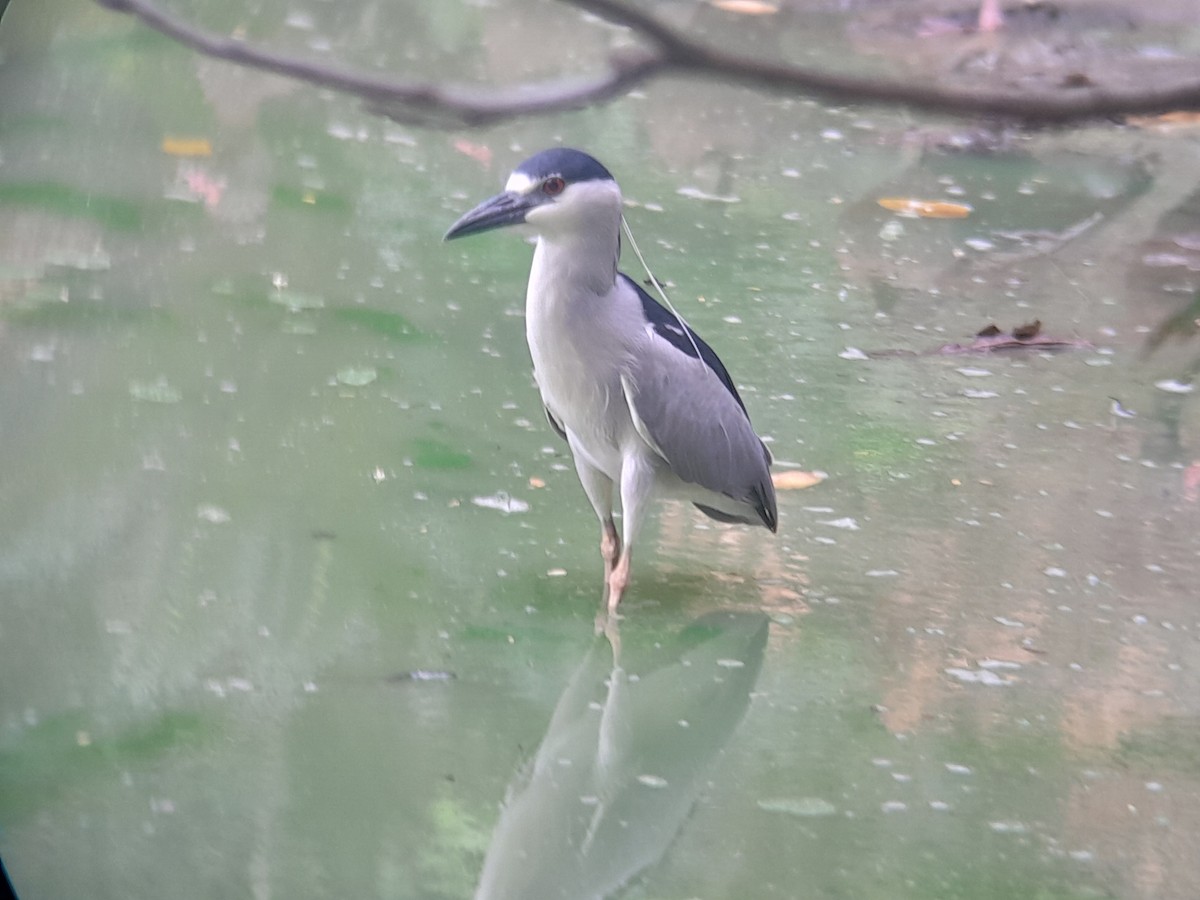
(643, 402)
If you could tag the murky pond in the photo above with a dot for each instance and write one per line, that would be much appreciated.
(298, 589)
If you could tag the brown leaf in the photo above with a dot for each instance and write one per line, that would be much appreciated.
(795, 479)
(1183, 118)
(913, 208)
(1028, 331)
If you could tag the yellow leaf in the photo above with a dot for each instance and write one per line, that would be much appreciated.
(1179, 119)
(795, 479)
(177, 146)
(925, 209)
(747, 7)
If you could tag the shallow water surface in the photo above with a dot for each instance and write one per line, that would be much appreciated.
(299, 589)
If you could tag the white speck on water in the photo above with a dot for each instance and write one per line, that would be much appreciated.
(653, 781)
(980, 244)
(972, 394)
(1173, 386)
(959, 769)
(1008, 827)
(846, 522)
(853, 353)
(901, 777)
(502, 502)
(882, 762)
(157, 391)
(1082, 855)
(881, 573)
(832, 134)
(939, 805)
(973, 372)
(1139, 620)
(732, 320)
(1154, 787)
(556, 573)
(695, 193)
(301, 20)
(1055, 572)
(980, 676)
(1008, 623)
(212, 514)
(998, 664)
(893, 806)
(804, 807)
(892, 230)
(357, 376)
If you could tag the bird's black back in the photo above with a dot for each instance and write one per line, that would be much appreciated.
(679, 335)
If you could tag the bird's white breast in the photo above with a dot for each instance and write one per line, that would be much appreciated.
(578, 325)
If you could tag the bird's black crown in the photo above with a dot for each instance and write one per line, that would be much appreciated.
(571, 165)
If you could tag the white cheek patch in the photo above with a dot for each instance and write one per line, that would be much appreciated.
(520, 183)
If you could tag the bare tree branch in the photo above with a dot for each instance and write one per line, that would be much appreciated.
(667, 52)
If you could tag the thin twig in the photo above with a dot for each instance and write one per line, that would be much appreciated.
(668, 51)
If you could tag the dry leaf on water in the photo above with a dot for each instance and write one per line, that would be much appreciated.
(795, 479)
(912, 208)
(179, 146)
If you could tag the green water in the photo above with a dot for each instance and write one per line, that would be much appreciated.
(295, 580)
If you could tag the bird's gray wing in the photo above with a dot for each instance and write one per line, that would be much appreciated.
(684, 412)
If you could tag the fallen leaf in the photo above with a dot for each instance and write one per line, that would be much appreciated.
(1028, 331)
(177, 146)
(481, 153)
(535, 482)
(795, 479)
(746, 7)
(1182, 118)
(1023, 337)
(912, 208)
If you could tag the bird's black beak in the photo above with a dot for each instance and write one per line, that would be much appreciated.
(509, 208)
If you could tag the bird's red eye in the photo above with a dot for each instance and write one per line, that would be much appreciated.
(553, 186)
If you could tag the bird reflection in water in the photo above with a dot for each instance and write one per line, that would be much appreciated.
(624, 757)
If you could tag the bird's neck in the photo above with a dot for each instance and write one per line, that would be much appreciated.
(576, 263)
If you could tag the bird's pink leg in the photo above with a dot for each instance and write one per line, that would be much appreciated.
(610, 546)
(618, 580)
(637, 488)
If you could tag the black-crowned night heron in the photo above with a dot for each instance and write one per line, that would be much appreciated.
(642, 401)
